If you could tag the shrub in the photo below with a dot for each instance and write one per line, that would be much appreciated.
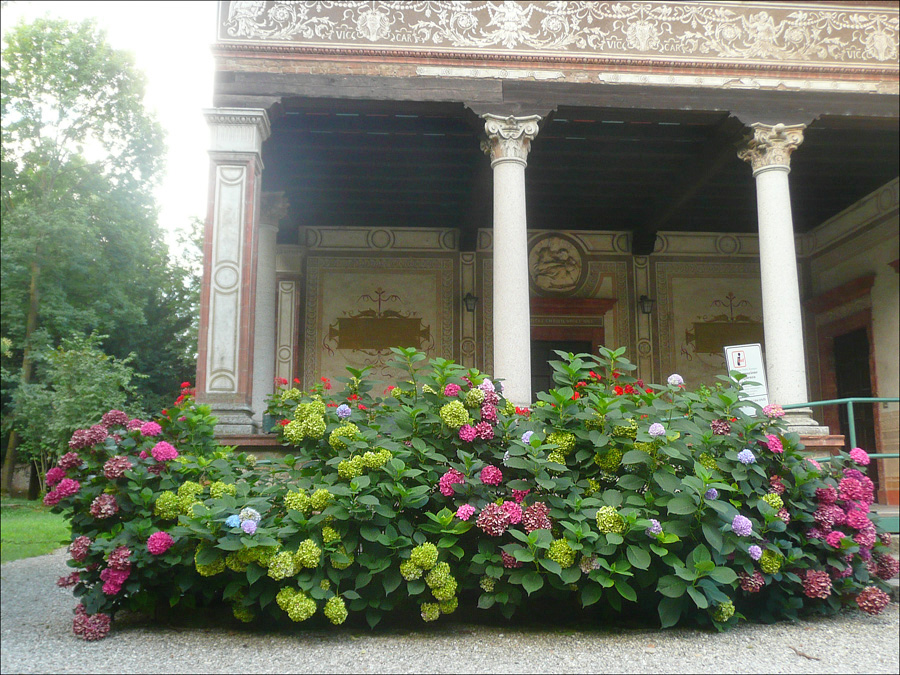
(606, 490)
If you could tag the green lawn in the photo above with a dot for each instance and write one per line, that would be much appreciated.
(28, 529)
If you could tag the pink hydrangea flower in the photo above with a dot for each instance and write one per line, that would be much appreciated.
(491, 475)
(509, 561)
(104, 506)
(163, 452)
(68, 487)
(143, 454)
(70, 460)
(467, 433)
(484, 431)
(113, 579)
(159, 543)
(519, 495)
(489, 412)
(859, 456)
(54, 475)
(834, 539)
(120, 558)
(514, 511)
(857, 519)
(78, 549)
(465, 511)
(94, 627)
(486, 385)
(451, 389)
(114, 417)
(150, 429)
(134, 424)
(851, 489)
(69, 581)
(448, 480)
(773, 410)
(85, 438)
(774, 444)
(116, 467)
(814, 463)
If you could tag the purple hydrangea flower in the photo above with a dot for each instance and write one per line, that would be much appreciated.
(657, 429)
(234, 521)
(526, 437)
(755, 552)
(746, 456)
(741, 526)
(712, 493)
(343, 411)
(654, 529)
(249, 526)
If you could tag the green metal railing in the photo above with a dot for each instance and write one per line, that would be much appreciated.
(889, 523)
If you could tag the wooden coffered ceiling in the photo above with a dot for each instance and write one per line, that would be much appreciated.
(407, 164)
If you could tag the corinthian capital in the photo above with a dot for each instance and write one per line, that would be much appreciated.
(771, 145)
(509, 138)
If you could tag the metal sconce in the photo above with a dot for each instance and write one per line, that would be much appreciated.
(470, 301)
(646, 304)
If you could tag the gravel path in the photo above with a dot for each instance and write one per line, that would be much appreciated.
(37, 638)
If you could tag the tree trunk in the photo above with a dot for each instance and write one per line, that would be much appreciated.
(9, 462)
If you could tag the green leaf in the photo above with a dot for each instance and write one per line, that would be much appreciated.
(570, 575)
(698, 597)
(713, 536)
(638, 557)
(590, 594)
(391, 580)
(254, 572)
(630, 482)
(670, 611)
(486, 601)
(550, 565)
(614, 538)
(667, 481)
(724, 575)
(681, 505)
(369, 532)
(625, 590)
(671, 586)
(532, 582)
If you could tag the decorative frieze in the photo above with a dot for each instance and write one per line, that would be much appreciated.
(791, 34)
(771, 145)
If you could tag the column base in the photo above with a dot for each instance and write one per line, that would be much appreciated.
(800, 421)
(234, 420)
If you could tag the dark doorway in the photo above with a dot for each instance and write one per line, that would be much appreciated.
(851, 370)
(542, 354)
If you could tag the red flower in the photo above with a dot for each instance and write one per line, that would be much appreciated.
(362, 407)
(284, 423)
(594, 376)
(296, 380)
(734, 419)
(523, 411)
(388, 389)
(615, 374)
(648, 390)
(185, 385)
(179, 399)
(164, 411)
(332, 404)
(578, 385)
(619, 391)
(576, 396)
(327, 383)
(629, 389)
(640, 383)
(353, 397)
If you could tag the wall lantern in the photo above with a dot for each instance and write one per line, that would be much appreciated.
(470, 301)
(646, 304)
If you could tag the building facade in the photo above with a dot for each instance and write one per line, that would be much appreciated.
(489, 181)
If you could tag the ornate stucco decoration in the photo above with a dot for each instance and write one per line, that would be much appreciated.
(745, 33)
(509, 138)
(771, 145)
(556, 264)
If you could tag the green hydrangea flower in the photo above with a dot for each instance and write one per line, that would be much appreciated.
(474, 398)
(650, 448)
(297, 501)
(186, 504)
(375, 460)
(329, 534)
(301, 607)
(342, 565)
(593, 487)
(325, 584)
(454, 414)
(349, 470)
(707, 461)
(263, 555)
(320, 499)
(399, 393)
(285, 596)
(384, 456)
(629, 430)
(167, 506)
(249, 460)
(242, 613)
(282, 566)
(424, 555)
(773, 500)
(438, 575)
(339, 438)
(428, 389)
(410, 571)
(308, 554)
(723, 611)
(445, 591)
(292, 394)
(237, 561)
(770, 562)
(335, 610)
(508, 409)
(210, 570)
(596, 423)
(561, 552)
(219, 489)
(558, 457)
(189, 489)
(487, 584)
(609, 461)
(564, 440)
(609, 520)
(449, 606)
(431, 611)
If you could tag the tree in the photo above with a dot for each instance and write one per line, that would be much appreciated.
(81, 248)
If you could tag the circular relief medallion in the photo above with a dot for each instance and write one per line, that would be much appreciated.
(556, 264)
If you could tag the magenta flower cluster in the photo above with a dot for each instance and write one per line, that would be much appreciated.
(163, 451)
(66, 488)
(104, 506)
(90, 627)
(159, 542)
(150, 429)
(491, 475)
(448, 480)
(85, 438)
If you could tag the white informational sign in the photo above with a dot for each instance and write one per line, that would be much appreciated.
(748, 360)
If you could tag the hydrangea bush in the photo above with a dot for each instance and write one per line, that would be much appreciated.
(440, 492)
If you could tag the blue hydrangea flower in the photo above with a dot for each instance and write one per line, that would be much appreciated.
(233, 521)
(746, 456)
(712, 493)
(675, 380)
(741, 526)
(526, 437)
(654, 529)
(656, 429)
(343, 411)
(755, 552)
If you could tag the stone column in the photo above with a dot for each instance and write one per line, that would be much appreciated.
(225, 361)
(769, 152)
(509, 141)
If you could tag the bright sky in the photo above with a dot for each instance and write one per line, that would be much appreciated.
(171, 44)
